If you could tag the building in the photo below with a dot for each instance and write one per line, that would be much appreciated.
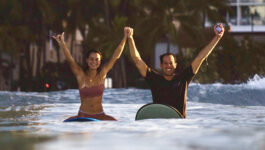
(246, 17)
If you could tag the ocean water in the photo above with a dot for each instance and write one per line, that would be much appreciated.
(219, 116)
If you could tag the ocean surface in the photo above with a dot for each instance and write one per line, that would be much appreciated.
(219, 117)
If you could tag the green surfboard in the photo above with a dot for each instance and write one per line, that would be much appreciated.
(157, 111)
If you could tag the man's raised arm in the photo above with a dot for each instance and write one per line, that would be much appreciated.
(140, 64)
(206, 51)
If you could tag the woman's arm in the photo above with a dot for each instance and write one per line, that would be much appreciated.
(116, 55)
(206, 51)
(76, 69)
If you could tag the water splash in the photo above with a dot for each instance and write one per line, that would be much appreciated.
(257, 82)
(251, 93)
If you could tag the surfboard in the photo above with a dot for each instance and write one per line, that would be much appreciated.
(157, 111)
(80, 119)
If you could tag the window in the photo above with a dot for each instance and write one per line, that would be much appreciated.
(232, 16)
(245, 15)
(258, 14)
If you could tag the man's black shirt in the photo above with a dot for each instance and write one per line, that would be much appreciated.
(173, 92)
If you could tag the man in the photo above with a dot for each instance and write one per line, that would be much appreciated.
(171, 86)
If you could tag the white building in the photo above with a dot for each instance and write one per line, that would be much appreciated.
(246, 16)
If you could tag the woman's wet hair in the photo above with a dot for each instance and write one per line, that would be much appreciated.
(94, 51)
(88, 54)
(167, 54)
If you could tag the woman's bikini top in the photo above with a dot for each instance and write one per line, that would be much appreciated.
(92, 91)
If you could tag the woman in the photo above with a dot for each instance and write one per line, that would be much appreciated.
(91, 80)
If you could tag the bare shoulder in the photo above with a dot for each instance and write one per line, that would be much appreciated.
(80, 78)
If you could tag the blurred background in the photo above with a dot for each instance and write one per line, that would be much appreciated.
(30, 60)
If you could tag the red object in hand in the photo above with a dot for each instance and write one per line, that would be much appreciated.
(47, 85)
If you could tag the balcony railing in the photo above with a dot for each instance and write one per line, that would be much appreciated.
(247, 1)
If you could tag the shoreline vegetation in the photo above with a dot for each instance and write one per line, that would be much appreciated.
(31, 61)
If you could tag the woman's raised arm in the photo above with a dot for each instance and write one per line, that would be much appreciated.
(76, 69)
(116, 55)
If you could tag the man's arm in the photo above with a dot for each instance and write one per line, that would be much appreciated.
(140, 64)
(206, 51)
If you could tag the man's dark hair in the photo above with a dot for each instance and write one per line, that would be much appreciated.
(167, 54)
